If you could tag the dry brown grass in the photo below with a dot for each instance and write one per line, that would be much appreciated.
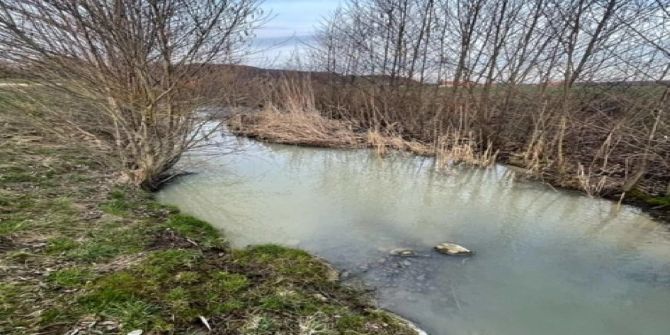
(457, 147)
(309, 128)
(293, 118)
(383, 143)
(296, 127)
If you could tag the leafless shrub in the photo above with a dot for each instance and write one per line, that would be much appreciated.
(576, 90)
(123, 75)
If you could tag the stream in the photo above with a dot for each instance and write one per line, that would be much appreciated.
(546, 261)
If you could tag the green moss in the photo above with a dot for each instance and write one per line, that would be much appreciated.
(650, 199)
(659, 201)
(125, 201)
(127, 298)
(277, 303)
(115, 288)
(179, 300)
(224, 292)
(286, 300)
(277, 251)
(228, 306)
(71, 277)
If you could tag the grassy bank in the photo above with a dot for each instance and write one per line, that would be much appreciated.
(80, 255)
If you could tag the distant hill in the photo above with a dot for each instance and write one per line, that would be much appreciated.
(251, 72)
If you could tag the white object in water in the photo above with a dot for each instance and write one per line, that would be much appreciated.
(452, 249)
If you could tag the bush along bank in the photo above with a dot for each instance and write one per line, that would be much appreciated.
(79, 255)
(306, 127)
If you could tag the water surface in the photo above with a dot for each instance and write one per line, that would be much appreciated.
(547, 261)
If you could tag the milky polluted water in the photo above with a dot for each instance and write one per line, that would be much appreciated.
(546, 261)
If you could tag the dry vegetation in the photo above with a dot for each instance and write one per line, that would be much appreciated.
(121, 76)
(112, 92)
(576, 92)
(291, 117)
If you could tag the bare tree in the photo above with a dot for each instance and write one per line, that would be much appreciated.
(124, 74)
(577, 87)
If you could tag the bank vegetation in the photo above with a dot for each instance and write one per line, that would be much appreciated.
(121, 76)
(576, 92)
(80, 254)
(99, 100)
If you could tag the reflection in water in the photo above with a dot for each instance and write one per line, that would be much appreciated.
(547, 262)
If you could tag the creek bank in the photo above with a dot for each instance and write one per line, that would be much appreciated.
(81, 255)
(313, 130)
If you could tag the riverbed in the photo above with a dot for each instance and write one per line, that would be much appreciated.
(546, 261)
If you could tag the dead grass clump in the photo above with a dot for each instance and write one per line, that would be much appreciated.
(294, 119)
(455, 147)
(382, 143)
(296, 127)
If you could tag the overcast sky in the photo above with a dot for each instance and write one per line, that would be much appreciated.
(291, 25)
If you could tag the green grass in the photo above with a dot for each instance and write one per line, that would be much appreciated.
(661, 201)
(61, 244)
(10, 226)
(70, 277)
(117, 203)
(195, 229)
(116, 256)
(9, 309)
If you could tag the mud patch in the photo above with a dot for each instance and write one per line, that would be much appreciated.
(168, 239)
